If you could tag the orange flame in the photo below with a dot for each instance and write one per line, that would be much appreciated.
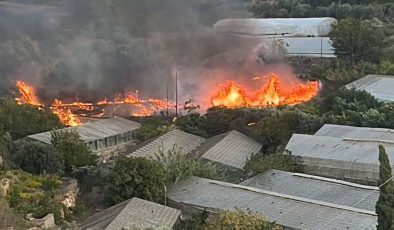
(28, 94)
(233, 95)
(230, 96)
(65, 115)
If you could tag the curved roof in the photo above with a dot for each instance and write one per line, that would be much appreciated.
(277, 26)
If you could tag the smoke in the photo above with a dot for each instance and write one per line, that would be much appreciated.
(97, 48)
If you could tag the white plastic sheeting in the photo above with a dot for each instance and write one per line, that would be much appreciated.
(277, 26)
(380, 86)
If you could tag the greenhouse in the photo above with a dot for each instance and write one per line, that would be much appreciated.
(348, 159)
(293, 27)
(379, 86)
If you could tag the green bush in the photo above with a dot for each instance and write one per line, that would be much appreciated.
(22, 120)
(137, 177)
(260, 163)
(37, 157)
(152, 127)
(179, 167)
(74, 151)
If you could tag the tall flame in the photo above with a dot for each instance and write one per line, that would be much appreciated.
(28, 94)
(230, 96)
(233, 95)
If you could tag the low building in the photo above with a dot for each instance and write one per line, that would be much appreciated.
(183, 141)
(100, 135)
(316, 188)
(230, 149)
(292, 212)
(131, 213)
(348, 159)
(379, 86)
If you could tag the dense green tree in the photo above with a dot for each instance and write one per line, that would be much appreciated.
(277, 127)
(37, 157)
(191, 123)
(357, 40)
(74, 151)
(385, 204)
(152, 126)
(137, 177)
(22, 120)
(219, 120)
(339, 9)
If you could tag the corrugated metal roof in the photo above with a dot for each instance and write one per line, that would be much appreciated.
(380, 86)
(357, 133)
(316, 188)
(233, 150)
(186, 142)
(290, 211)
(131, 212)
(95, 130)
(338, 149)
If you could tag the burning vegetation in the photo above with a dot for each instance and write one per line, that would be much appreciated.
(69, 113)
(233, 95)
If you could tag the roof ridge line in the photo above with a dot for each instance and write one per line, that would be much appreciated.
(322, 203)
(335, 181)
(367, 140)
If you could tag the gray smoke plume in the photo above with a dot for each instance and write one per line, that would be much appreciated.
(93, 49)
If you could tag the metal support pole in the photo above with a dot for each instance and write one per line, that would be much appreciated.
(176, 94)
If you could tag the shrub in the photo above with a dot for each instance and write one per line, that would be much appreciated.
(179, 167)
(137, 177)
(260, 163)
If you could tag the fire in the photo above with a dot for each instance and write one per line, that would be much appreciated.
(28, 94)
(230, 96)
(233, 95)
(65, 115)
(68, 112)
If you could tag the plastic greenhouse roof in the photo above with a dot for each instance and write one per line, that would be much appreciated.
(316, 188)
(286, 210)
(277, 26)
(380, 86)
(95, 130)
(339, 149)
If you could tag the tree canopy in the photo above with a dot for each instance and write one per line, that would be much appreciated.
(38, 158)
(137, 177)
(75, 152)
(357, 40)
(22, 120)
(385, 204)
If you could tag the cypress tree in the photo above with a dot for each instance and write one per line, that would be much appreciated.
(385, 204)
